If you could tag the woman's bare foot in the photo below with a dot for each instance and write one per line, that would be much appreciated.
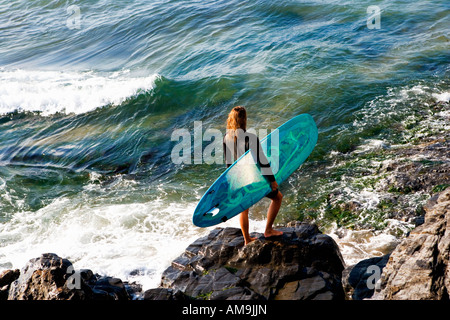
(272, 233)
(247, 241)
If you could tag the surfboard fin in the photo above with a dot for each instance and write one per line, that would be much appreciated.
(212, 212)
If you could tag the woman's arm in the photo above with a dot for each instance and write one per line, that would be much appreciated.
(264, 163)
(258, 154)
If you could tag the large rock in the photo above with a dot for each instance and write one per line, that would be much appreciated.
(6, 278)
(419, 267)
(50, 277)
(302, 264)
(360, 280)
(44, 278)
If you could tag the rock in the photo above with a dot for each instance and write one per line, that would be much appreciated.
(418, 168)
(301, 289)
(109, 288)
(50, 277)
(302, 264)
(6, 278)
(355, 278)
(134, 290)
(44, 278)
(164, 294)
(419, 268)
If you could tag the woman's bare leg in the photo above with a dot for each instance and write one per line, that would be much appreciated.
(243, 219)
(271, 215)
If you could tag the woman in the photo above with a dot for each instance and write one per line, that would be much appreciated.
(235, 143)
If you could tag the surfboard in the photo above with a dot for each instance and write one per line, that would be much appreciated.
(242, 184)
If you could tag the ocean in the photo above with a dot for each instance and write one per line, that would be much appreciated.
(91, 92)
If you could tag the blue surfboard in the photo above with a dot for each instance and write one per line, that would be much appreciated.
(243, 184)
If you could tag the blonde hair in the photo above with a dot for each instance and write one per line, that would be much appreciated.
(237, 119)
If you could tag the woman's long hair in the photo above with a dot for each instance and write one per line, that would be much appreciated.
(237, 119)
(236, 127)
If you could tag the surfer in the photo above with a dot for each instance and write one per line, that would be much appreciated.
(235, 143)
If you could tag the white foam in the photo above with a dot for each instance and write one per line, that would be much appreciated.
(134, 241)
(370, 145)
(444, 96)
(397, 102)
(113, 240)
(356, 245)
(71, 92)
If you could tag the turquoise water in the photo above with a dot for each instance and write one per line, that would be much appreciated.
(88, 104)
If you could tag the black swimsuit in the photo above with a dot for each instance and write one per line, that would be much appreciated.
(249, 141)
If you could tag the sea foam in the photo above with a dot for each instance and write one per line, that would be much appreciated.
(134, 241)
(50, 92)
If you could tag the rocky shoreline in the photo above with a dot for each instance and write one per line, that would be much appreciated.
(304, 263)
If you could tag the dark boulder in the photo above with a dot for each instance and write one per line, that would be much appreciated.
(301, 264)
(360, 280)
(50, 277)
(6, 278)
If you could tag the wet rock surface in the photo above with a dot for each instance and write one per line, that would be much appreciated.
(360, 280)
(6, 278)
(301, 264)
(418, 168)
(386, 178)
